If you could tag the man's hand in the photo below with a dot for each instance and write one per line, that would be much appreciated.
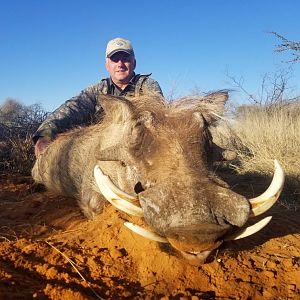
(41, 145)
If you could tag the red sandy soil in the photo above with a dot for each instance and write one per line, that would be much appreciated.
(41, 233)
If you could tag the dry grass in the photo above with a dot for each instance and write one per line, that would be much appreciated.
(259, 134)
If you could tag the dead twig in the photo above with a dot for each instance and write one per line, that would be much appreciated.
(72, 263)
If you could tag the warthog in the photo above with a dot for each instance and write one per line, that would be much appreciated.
(152, 159)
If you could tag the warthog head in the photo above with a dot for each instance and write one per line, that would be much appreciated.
(164, 153)
(152, 159)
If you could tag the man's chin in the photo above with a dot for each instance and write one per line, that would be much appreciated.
(121, 79)
(123, 76)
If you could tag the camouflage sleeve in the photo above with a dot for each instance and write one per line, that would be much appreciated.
(151, 86)
(77, 111)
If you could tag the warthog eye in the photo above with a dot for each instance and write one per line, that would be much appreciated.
(138, 188)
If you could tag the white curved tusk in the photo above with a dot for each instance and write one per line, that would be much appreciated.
(266, 200)
(145, 233)
(112, 186)
(250, 230)
(114, 195)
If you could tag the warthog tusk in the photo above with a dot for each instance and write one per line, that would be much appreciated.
(145, 233)
(266, 200)
(250, 230)
(113, 187)
(114, 195)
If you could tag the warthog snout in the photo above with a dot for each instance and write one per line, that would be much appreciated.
(194, 216)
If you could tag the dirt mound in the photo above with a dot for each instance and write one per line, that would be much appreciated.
(48, 250)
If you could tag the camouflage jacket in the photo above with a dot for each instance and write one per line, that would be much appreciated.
(86, 107)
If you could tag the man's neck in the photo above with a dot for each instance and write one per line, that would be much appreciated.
(122, 86)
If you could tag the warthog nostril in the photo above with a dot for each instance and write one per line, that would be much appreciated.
(138, 188)
(221, 221)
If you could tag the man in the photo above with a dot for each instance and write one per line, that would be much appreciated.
(86, 107)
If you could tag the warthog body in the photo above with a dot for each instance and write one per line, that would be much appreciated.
(161, 152)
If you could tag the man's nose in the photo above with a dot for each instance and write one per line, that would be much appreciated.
(120, 62)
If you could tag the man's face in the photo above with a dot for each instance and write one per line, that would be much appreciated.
(120, 66)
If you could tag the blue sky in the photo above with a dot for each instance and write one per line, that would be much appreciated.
(52, 49)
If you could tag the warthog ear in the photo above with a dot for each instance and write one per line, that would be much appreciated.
(117, 108)
(214, 105)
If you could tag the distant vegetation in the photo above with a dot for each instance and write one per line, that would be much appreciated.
(267, 128)
(17, 125)
(286, 45)
(259, 134)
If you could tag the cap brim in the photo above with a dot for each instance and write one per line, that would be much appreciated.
(119, 50)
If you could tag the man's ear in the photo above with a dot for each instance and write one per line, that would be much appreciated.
(134, 63)
(106, 63)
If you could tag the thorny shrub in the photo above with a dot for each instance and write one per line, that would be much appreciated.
(17, 125)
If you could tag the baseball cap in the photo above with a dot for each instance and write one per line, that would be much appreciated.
(118, 44)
